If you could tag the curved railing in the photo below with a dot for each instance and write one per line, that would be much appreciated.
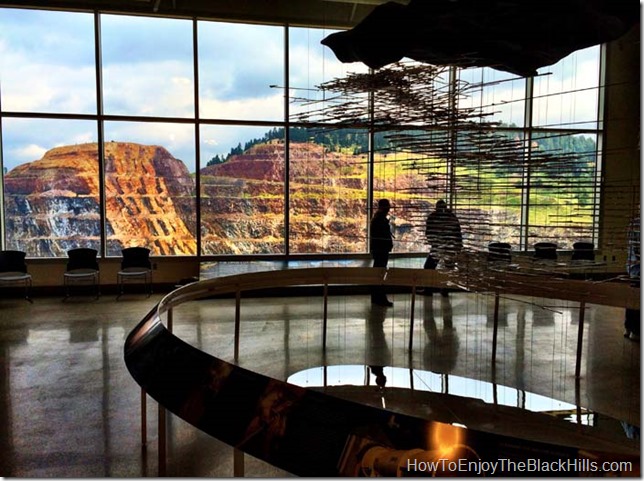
(308, 433)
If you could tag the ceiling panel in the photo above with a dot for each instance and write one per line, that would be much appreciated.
(323, 13)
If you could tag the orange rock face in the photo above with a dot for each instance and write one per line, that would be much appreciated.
(53, 204)
(149, 199)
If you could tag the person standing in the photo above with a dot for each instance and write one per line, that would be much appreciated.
(444, 236)
(380, 245)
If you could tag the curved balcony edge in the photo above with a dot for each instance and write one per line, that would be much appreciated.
(307, 432)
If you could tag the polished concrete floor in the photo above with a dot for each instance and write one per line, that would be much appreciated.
(69, 407)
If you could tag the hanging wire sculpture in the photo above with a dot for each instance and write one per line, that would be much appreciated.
(491, 174)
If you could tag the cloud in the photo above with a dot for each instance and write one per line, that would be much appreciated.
(265, 108)
(25, 140)
(40, 35)
(133, 39)
(29, 152)
(149, 88)
(42, 88)
(237, 61)
(31, 82)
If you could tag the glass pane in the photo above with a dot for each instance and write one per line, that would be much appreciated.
(148, 66)
(412, 176)
(242, 190)
(241, 71)
(150, 187)
(566, 94)
(488, 177)
(500, 96)
(47, 61)
(328, 190)
(310, 65)
(562, 189)
(51, 186)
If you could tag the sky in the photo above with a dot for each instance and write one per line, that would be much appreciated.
(48, 65)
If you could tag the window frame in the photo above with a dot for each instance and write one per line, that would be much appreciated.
(528, 130)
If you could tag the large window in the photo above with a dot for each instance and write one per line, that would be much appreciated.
(149, 187)
(147, 66)
(328, 188)
(242, 190)
(563, 189)
(47, 60)
(51, 185)
(566, 95)
(219, 138)
(241, 70)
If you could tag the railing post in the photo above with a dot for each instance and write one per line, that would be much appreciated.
(144, 420)
(237, 321)
(238, 463)
(495, 332)
(325, 313)
(162, 442)
(411, 320)
(580, 338)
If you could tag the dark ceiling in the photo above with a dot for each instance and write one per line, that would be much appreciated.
(323, 13)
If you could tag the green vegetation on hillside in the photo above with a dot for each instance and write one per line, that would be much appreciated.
(567, 185)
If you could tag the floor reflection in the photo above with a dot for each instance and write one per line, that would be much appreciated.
(441, 350)
(69, 407)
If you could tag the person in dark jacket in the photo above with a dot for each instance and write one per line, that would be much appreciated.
(380, 245)
(443, 233)
(444, 236)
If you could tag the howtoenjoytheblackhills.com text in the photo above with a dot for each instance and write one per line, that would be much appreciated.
(508, 466)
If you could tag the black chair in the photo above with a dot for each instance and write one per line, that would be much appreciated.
(583, 251)
(82, 269)
(13, 270)
(545, 251)
(135, 266)
(499, 252)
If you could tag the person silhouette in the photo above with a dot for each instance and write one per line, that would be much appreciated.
(445, 238)
(379, 373)
(380, 244)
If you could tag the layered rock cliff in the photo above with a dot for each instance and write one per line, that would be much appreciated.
(53, 202)
(243, 201)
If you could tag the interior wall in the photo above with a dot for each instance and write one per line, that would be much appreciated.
(621, 147)
(166, 270)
